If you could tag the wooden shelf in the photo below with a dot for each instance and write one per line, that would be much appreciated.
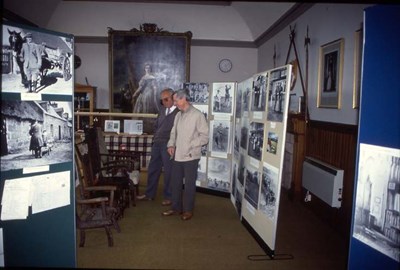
(84, 101)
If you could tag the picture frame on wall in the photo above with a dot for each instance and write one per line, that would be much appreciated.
(143, 62)
(330, 74)
(358, 49)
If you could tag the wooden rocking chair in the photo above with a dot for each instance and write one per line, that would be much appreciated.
(95, 204)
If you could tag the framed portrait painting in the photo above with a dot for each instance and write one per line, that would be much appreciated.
(330, 74)
(142, 63)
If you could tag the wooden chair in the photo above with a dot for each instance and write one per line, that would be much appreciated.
(117, 167)
(95, 204)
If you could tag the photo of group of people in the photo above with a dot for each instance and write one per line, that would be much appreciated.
(268, 190)
(276, 95)
(219, 174)
(259, 92)
(198, 92)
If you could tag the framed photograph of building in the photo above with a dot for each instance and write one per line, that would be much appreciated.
(330, 73)
(143, 62)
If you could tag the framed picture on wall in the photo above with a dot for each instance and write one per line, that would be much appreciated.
(330, 72)
(142, 63)
(358, 48)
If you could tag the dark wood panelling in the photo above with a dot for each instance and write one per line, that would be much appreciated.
(334, 144)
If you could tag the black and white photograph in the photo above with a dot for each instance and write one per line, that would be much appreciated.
(330, 74)
(198, 92)
(238, 202)
(223, 98)
(112, 126)
(241, 170)
(272, 142)
(35, 61)
(219, 174)
(236, 142)
(377, 220)
(244, 133)
(35, 133)
(220, 134)
(268, 200)
(246, 87)
(256, 140)
(239, 100)
(203, 108)
(204, 150)
(202, 170)
(259, 92)
(252, 186)
(276, 95)
(234, 178)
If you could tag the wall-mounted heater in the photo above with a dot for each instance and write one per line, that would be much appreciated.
(323, 180)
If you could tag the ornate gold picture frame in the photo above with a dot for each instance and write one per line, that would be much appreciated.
(142, 63)
(358, 49)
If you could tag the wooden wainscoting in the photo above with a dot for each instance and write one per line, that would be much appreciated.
(335, 144)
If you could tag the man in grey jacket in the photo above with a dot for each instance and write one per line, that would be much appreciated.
(189, 133)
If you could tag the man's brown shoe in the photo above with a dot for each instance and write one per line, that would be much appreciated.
(169, 213)
(166, 202)
(187, 215)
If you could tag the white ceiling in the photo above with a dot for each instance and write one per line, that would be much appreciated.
(257, 15)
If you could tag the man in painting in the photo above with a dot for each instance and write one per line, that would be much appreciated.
(32, 58)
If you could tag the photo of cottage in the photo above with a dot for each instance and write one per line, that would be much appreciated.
(35, 133)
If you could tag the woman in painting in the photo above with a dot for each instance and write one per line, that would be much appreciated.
(146, 93)
(36, 139)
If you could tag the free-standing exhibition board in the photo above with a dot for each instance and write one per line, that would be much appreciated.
(37, 217)
(258, 151)
(375, 232)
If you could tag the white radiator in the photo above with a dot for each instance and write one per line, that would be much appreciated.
(323, 180)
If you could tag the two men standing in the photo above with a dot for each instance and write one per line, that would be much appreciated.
(180, 154)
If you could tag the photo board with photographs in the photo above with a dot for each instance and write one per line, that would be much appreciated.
(217, 103)
(257, 163)
(37, 168)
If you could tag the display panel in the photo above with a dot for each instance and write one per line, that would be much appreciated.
(37, 176)
(261, 150)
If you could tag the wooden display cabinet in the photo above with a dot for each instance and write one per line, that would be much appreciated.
(297, 126)
(84, 101)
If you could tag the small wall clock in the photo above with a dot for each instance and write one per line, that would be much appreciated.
(225, 65)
